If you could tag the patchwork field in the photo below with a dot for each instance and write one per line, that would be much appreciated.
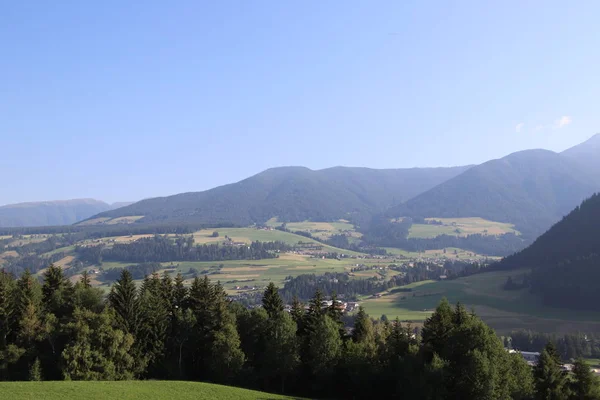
(450, 253)
(320, 230)
(460, 227)
(127, 390)
(502, 310)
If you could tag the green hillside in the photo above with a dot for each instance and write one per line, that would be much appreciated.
(566, 259)
(531, 189)
(128, 390)
(292, 194)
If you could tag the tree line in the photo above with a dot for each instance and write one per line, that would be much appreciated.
(166, 330)
(181, 248)
(569, 346)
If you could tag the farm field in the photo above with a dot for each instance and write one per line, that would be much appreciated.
(460, 227)
(451, 253)
(127, 390)
(248, 235)
(321, 230)
(502, 310)
(261, 272)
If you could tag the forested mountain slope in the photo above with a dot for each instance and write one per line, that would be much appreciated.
(531, 189)
(47, 213)
(566, 259)
(292, 194)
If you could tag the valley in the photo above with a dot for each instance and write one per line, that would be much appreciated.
(503, 310)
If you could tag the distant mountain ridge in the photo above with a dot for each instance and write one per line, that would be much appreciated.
(50, 213)
(292, 194)
(531, 189)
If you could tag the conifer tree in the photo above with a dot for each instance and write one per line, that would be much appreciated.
(271, 300)
(550, 380)
(123, 298)
(584, 384)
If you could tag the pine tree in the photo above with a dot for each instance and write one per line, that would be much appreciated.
(437, 328)
(335, 313)
(180, 293)
(151, 336)
(297, 313)
(7, 308)
(123, 298)
(271, 300)
(85, 280)
(550, 380)
(584, 384)
(57, 292)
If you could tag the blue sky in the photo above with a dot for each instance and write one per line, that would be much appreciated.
(123, 101)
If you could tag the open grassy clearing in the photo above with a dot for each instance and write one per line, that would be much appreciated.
(123, 220)
(111, 221)
(460, 227)
(320, 230)
(502, 310)
(127, 390)
(248, 235)
(450, 253)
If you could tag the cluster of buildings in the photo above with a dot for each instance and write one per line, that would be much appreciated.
(346, 307)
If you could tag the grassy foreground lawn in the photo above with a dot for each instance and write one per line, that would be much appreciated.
(502, 310)
(129, 390)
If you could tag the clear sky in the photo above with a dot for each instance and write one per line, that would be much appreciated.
(120, 101)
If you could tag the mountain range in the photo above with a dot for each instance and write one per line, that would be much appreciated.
(292, 194)
(531, 189)
(47, 213)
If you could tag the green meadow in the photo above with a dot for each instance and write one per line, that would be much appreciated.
(502, 310)
(127, 390)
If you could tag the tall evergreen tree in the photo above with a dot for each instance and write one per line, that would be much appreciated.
(437, 328)
(584, 384)
(271, 300)
(123, 298)
(57, 292)
(180, 293)
(550, 380)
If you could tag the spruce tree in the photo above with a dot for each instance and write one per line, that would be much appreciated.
(437, 328)
(584, 384)
(123, 298)
(271, 300)
(180, 293)
(550, 380)
(297, 313)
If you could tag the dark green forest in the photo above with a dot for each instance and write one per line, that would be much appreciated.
(164, 330)
(565, 261)
(182, 248)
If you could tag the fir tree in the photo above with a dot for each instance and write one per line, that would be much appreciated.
(550, 380)
(271, 300)
(584, 384)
